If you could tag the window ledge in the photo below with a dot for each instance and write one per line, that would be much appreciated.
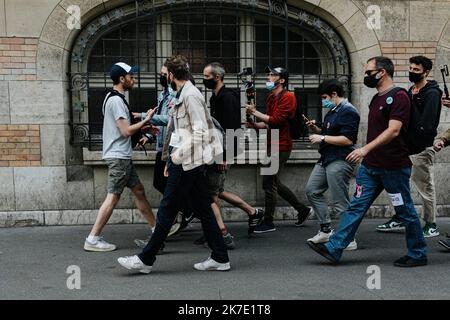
(94, 158)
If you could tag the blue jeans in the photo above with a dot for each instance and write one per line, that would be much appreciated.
(183, 185)
(369, 184)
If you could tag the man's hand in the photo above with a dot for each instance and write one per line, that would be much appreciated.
(446, 102)
(152, 129)
(166, 171)
(142, 142)
(150, 114)
(250, 109)
(356, 156)
(315, 138)
(311, 123)
(438, 145)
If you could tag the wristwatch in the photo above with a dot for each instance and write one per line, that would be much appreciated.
(322, 139)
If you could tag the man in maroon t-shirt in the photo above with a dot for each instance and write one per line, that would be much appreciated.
(280, 106)
(386, 166)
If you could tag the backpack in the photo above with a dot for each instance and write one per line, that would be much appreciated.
(412, 134)
(135, 138)
(296, 123)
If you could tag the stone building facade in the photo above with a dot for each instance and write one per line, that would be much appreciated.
(53, 61)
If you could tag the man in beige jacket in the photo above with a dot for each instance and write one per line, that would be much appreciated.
(441, 142)
(193, 143)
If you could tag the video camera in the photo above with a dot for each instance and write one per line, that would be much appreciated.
(444, 71)
(249, 86)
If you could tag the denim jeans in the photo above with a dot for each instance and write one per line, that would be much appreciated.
(181, 185)
(369, 184)
(335, 177)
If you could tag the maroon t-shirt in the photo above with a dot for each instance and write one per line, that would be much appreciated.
(394, 155)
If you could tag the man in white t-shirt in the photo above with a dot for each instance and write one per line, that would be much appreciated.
(117, 151)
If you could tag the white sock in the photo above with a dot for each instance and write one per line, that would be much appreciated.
(92, 239)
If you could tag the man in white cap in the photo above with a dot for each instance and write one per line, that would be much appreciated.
(117, 151)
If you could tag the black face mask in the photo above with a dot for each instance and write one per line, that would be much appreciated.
(371, 81)
(163, 81)
(415, 77)
(210, 83)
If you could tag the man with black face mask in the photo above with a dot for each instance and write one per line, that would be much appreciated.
(226, 109)
(386, 166)
(426, 99)
(160, 119)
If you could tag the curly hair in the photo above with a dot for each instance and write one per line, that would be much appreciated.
(179, 67)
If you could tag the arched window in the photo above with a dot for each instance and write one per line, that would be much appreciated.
(238, 34)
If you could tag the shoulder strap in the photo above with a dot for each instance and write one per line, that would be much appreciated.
(114, 93)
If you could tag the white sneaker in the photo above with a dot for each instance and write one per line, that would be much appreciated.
(174, 229)
(351, 246)
(135, 264)
(321, 237)
(211, 264)
(99, 246)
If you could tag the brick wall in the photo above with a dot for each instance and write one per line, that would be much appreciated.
(18, 58)
(20, 146)
(401, 51)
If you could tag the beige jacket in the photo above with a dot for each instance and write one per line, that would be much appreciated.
(199, 142)
(445, 137)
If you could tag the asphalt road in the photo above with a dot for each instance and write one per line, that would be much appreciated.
(279, 265)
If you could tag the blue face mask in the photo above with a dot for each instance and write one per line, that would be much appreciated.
(327, 104)
(271, 85)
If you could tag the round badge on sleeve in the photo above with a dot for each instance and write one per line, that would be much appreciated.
(389, 100)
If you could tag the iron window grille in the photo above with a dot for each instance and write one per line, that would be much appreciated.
(238, 34)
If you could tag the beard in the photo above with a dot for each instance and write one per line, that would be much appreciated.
(128, 86)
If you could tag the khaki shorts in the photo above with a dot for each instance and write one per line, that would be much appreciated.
(216, 179)
(121, 174)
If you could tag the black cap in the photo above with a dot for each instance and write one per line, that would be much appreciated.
(283, 73)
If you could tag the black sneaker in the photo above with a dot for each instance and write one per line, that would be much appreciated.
(255, 220)
(302, 217)
(264, 227)
(408, 262)
(200, 241)
(321, 249)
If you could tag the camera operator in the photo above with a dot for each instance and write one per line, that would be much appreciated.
(280, 105)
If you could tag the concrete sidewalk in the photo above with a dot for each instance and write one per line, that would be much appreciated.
(277, 265)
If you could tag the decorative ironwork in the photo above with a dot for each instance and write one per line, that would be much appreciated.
(278, 8)
(88, 86)
(80, 133)
(78, 82)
